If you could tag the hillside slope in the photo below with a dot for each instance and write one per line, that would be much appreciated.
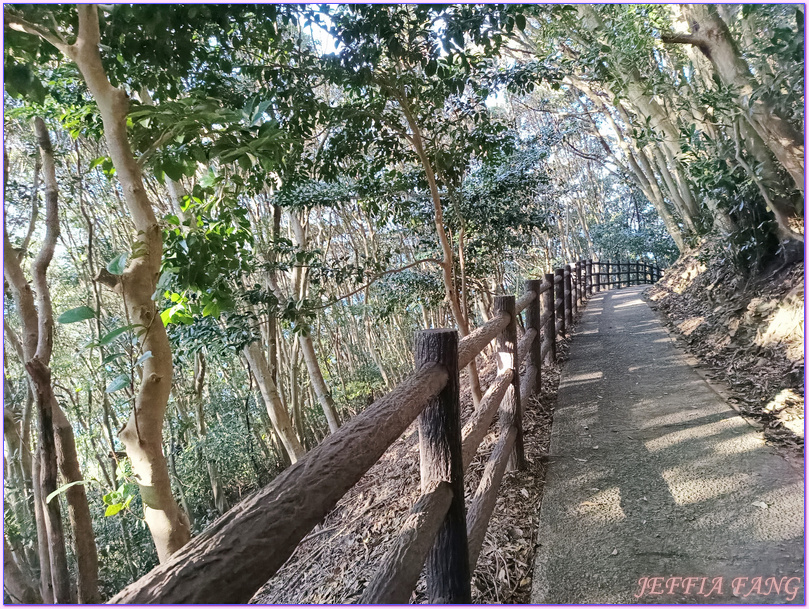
(748, 331)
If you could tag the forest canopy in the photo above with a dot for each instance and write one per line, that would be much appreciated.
(224, 223)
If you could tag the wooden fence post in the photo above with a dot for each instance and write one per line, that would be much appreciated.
(447, 566)
(628, 278)
(549, 337)
(637, 273)
(609, 276)
(597, 275)
(559, 294)
(589, 272)
(568, 298)
(579, 283)
(574, 284)
(511, 405)
(533, 319)
(646, 276)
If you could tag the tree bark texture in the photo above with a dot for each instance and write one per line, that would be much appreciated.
(711, 35)
(447, 569)
(143, 433)
(278, 414)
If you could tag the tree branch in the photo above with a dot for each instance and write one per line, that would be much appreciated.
(21, 25)
(581, 154)
(104, 277)
(380, 276)
(32, 222)
(41, 263)
(681, 39)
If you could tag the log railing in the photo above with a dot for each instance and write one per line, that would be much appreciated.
(245, 547)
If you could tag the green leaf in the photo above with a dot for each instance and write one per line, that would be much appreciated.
(117, 265)
(111, 336)
(211, 309)
(176, 314)
(118, 383)
(173, 169)
(112, 357)
(165, 316)
(143, 358)
(113, 509)
(63, 488)
(77, 314)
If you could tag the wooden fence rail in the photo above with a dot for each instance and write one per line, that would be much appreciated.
(246, 546)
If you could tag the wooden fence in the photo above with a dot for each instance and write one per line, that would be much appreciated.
(245, 547)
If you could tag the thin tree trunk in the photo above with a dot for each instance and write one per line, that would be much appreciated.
(78, 509)
(279, 416)
(20, 588)
(43, 547)
(318, 383)
(60, 576)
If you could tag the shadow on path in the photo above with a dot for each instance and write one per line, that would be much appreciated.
(651, 474)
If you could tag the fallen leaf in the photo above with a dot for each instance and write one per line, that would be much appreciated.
(615, 552)
(524, 492)
(760, 504)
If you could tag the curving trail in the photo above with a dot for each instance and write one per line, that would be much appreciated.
(653, 475)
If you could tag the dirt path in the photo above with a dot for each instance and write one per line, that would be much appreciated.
(653, 475)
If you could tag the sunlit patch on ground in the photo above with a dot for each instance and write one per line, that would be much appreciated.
(785, 327)
(692, 486)
(603, 506)
(775, 516)
(748, 332)
(688, 326)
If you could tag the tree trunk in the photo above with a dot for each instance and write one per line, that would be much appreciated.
(637, 93)
(78, 509)
(45, 399)
(638, 164)
(20, 588)
(43, 547)
(36, 347)
(448, 264)
(318, 383)
(711, 35)
(279, 416)
(788, 213)
(18, 489)
(143, 433)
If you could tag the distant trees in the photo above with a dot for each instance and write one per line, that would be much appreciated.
(697, 137)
